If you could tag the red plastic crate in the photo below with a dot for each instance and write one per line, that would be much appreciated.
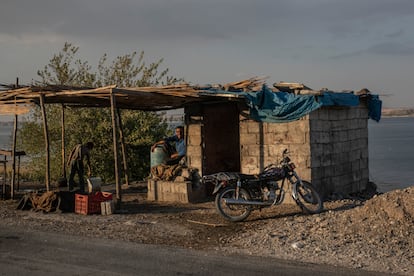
(90, 204)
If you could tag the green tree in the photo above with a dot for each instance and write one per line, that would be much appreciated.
(140, 128)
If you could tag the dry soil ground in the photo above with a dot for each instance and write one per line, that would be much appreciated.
(375, 234)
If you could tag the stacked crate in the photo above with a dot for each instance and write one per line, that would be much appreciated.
(91, 203)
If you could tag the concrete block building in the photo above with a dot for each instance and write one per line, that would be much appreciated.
(329, 145)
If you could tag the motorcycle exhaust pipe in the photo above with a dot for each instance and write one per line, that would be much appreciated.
(246, 202)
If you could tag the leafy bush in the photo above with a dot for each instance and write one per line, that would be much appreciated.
(140, 129)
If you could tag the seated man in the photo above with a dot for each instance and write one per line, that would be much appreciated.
(175, 153)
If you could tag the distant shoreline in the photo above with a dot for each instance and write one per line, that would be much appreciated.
(397, 112)
(397, 116)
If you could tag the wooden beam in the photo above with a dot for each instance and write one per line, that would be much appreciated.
(13, 176)
(46, 134)
(123, 149)
(116, 151)
(63, 141)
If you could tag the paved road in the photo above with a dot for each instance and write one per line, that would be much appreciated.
(39, 253)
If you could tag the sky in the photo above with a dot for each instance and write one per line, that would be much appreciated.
(334, 44)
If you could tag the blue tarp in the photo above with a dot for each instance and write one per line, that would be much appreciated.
(374, 107)
(280, 107)
(340, 99)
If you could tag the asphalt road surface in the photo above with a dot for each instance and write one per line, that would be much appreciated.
(40, 253)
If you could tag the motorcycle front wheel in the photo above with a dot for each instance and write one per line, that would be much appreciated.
(232, 212)
(308, 198)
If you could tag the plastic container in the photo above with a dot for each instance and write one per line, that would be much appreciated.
(107, 207)
(94, 184)
(90, 204)
(158, 156)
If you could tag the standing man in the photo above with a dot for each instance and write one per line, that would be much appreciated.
(75, 163)
(175, 153)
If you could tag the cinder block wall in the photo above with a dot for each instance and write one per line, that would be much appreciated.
(194, 141)
(263, 144)
(329, 147)
(339, 149)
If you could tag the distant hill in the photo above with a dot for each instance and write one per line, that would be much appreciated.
(397, 112)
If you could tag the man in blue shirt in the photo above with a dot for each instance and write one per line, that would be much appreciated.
(175, 153)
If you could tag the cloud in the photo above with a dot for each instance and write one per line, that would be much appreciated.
(381, 49)
(211, 40)
(392, 48)
(395, 34)
(126, 19)
(189, 19)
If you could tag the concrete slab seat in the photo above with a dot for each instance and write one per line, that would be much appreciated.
(175, 191)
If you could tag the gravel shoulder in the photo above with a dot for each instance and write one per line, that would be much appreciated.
(375, 234)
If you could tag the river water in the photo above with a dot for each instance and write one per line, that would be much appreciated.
(5, 137)
(391, 151)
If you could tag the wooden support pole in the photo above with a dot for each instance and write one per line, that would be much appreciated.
(63, 142)
(116, 150)
(13, 175)
(46, 134)
(18, 173)
(4, 162)
(123, 149)
(261, 147)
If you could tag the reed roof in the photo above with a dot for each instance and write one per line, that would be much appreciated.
(20, 100)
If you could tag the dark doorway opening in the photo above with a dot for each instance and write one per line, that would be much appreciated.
(221, 138)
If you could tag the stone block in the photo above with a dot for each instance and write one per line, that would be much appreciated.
(250, 161)
(269, 139)
(253, 127)
(319, 126)
(194, 161)
(194, 140)
(295, 136)
(326, 160)
(314, 115)
(353, 113)
(329, 171)
(243, 128)
(254, 151)
(172, 191)
(249, 139)
(320, 137)
(194, 128)
(194, 151)
(302, 125)
(305, 174)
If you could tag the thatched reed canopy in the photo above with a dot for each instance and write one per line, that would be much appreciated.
(19, 100)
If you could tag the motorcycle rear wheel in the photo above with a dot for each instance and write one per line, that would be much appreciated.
(233, 212)
(308, 198)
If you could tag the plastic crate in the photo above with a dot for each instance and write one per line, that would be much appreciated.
(90, 204)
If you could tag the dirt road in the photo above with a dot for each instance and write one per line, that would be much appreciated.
(374, 235)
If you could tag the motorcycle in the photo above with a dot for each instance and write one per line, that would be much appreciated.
(237, 194)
